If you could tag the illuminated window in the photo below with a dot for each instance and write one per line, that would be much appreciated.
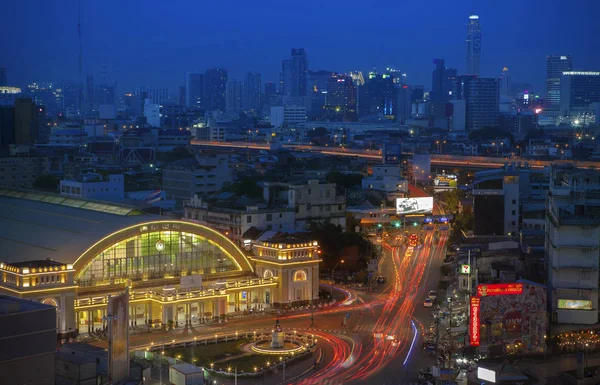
(300, 275)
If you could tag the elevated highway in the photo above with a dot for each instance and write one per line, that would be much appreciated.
(436, 159)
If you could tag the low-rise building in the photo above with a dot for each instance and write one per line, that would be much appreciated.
(94, 186)
(386, 178)
(22, 172)
(312, 201)
(200, 176)
(234, 219)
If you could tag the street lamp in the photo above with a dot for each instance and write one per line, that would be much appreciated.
(332, 272)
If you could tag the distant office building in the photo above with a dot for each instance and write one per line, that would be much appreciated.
(188, 177)
(7, 125)
(152, 113)
(93, 186)
(3, 77)
(377, 96)
(317, 92)
(459, 86)
(418, 92)
(555, 66)
(71, 95)
(578, 89)
(251, 98)
(403, 102)
(26, 121)
(290, 116)
(459, 115)
(518, 122)
(340, 100)
(483, 103)
(28, 334)
(105, 94)
(473, 45)
(505, 83)
(294, 74)
(194, 89)
(156, 95)
(442, 81)
(181, 98)
(234, 97)
(215, 88)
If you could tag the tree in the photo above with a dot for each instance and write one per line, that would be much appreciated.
(489, 133)
(47, 182)
(247, 187)
(317, 132)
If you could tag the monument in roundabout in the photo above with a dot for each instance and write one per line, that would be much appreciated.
(280, 343)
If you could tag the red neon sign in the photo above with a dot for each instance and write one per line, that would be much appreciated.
(487, 290)
(474, 326)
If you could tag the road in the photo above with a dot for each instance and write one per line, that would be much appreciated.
(436, 159)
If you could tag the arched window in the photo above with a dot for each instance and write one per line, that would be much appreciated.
(156, 255)
(268, 274)
(50, 301)
(300, 275)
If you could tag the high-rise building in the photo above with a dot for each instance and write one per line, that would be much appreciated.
(442, 80)
(234, 97)
(156, 95)
(215, 87)
(578, 89)
(251, 100)
(340, 100)
(269, 97)
(194, 87)
(555, 66)
(482, 97)
(378, 96)
(418, 92)
(7, 125)
(317, 92)
(181, 98)
(294, 74)
(473, 45)
(70, 96)
(505, 83)
(403, 102)
(105, 94)
(26, 121)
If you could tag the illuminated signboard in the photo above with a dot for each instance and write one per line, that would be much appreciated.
(414, 205)
(487, 290)
(474, 326)
(486, 374)
(574, 304)
(465, 269)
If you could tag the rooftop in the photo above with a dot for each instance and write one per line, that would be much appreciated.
(39, 226)
(11, 305)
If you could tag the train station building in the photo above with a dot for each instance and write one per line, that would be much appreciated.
(74, 253)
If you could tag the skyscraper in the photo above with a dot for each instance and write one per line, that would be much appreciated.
(555, 66)
(194, 87)
(3, 79)
(483, 102)
(578, 89)
(340, 102)
(403, 102)
(505, 83)
(89, 93)
(442, 80)
(294, 74)
(26, 121)
(251, 100)
(473, 45)
(215, 88)
(234, 97)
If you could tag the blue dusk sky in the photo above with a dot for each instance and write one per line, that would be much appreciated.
(155, 43)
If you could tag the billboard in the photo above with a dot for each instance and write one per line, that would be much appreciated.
(491, 289)
(486, 374)
(414, 205)
(118, 338)
(446, 180)
(474, 326)
(574, 304)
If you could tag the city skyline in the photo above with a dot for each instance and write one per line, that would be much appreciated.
(170, 50)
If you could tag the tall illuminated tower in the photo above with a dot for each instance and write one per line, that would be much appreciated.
(473, 45)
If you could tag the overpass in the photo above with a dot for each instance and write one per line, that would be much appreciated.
(436, 159)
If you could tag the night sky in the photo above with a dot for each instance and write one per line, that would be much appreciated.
(155, 42)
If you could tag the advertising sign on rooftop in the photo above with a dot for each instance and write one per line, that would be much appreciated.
(491, 289)
(414, 205)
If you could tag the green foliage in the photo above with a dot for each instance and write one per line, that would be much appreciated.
(461, 223)
(46, 182)
(489, 133)
(177, 153)
(344, 180)
(332, 239)
(247, 187)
